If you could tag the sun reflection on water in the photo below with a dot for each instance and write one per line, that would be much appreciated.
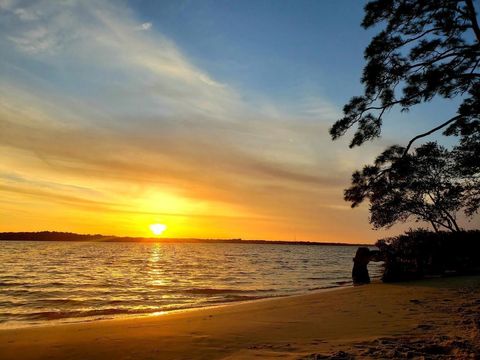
(155, 271)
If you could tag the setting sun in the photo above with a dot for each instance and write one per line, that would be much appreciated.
(158, 229)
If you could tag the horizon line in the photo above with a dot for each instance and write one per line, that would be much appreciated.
(117, 238)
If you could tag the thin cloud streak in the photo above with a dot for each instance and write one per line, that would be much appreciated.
(144, 27)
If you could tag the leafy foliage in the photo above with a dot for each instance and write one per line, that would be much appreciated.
(422, 253)
(425, 49)
(425, 185)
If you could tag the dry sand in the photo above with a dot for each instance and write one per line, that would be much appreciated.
(431, 319)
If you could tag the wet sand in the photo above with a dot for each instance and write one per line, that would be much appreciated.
(434, 319)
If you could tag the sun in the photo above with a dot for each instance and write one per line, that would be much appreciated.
(158, 229)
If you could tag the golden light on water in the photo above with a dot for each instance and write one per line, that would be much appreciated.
(158, 229)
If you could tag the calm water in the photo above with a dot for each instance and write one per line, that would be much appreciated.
(55, 281)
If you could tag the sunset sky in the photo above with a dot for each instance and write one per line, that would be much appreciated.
(210, 117)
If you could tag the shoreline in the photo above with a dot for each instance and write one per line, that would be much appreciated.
(126, 316)
(377, 320)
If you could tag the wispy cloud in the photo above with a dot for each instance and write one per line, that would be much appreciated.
(144, 27)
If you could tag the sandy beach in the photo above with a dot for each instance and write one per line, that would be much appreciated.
(437, 318)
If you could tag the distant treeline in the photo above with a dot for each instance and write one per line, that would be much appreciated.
(68, 236)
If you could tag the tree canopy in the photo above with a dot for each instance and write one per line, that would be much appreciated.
(425, 49)
(424, 185)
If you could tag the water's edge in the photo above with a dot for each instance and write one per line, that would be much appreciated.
(59, 282)
(119, 317)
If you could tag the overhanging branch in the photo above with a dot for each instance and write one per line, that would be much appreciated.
(410, 143)
(473, 18)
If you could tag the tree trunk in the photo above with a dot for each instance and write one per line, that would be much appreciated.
(451, 220)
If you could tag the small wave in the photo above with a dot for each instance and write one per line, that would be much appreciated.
(8, 303)
(323, 287)
(57, 315)
(62, 301)
(346, 282)
(229, 299)
(215, 291)
(16, 292)
(55, 284)
(5, 284)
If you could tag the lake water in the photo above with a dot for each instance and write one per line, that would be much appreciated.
(78, 281)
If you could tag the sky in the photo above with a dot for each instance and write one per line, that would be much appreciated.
(210, 117)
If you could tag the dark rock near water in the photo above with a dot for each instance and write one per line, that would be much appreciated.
(360, 261)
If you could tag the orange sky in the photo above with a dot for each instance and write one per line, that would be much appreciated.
(59, 176)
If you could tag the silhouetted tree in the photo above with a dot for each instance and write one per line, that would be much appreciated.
(426, 48)
(424, 185)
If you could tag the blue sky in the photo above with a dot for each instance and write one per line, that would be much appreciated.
(209, 116)
(284, 51)
(281, 49)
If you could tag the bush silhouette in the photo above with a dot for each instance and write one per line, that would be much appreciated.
(420, 253)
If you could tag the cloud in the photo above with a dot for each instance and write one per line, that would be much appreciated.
(6, 5)
(26, 15)
(144, 27)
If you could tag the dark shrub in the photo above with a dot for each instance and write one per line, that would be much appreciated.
(420, 253)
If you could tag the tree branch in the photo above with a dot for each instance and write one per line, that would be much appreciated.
(473, 18)
(455, 118)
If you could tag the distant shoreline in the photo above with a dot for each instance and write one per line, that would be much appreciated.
(73, 237)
